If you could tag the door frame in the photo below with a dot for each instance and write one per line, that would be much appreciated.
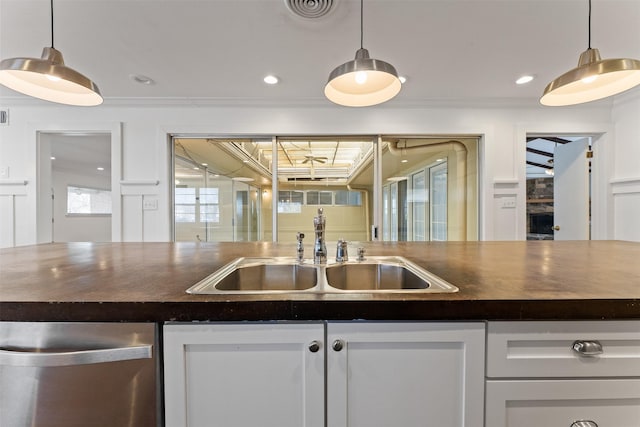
(601, 167)
(41, 216)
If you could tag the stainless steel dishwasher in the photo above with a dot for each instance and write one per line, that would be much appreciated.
(79, 374)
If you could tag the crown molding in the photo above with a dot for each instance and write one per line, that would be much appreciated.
(425, 103)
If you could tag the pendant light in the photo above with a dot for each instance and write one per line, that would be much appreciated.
(48, 78)
(364, 81)
(592, 79)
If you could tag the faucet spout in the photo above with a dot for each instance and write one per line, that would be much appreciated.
(320, 247)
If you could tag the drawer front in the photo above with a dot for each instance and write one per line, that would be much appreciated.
(563, 403)
(546, 349)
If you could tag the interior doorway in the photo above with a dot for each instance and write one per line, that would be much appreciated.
(559, 187)
(74, 183)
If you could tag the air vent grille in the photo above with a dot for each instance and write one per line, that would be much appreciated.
(4, 117)
(310, 9)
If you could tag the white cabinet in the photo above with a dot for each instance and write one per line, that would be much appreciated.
(405, 374)
(240, 375)
(377, 374)
(566, 374)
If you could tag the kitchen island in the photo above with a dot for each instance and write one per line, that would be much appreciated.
(146, 282)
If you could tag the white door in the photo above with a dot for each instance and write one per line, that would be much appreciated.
(405, 374)
(571, 191)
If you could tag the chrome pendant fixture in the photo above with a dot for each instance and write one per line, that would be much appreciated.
(592, 79)
(364, 81)
(49, 78)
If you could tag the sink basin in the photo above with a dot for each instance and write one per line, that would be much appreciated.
(259, 275)
(286, 274)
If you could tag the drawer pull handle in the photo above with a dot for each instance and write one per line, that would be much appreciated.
(584, 423)
(587, 348)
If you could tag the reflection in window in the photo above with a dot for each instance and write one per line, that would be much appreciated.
(319, 197)
(290, 201)
(348, 198)
(439, 203)
(88, 201)
(185, 205)
(209, 205)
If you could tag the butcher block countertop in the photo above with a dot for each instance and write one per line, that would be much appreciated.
(536, 280)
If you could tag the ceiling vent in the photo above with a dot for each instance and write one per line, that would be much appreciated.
(310, 9)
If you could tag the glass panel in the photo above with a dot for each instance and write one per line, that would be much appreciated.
(419, 206)
(213, 199)
(438, 177)
(332, 173)
(405, 164)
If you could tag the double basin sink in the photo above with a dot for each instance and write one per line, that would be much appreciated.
(386, 274)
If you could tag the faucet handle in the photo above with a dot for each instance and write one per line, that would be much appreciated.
(360, 254)
(341, 251)
(299, 236)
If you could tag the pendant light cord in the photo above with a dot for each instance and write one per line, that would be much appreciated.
(589, 24)
(361, 24)
(52, 24)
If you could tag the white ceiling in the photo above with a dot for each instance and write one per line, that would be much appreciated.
(221, 49)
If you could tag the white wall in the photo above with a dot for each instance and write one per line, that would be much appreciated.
(625, 179)
(140, 130)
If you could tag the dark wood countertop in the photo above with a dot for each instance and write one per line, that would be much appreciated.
(147, 281)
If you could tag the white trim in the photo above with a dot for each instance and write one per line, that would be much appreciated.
(140, 182)
(625, 186)
(13, 182)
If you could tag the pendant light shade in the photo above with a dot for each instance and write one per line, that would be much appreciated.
(49, 78)
(592, 79)
(364, 81)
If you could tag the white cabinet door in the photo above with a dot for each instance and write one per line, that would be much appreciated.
(561, 403)
(239, 375)
(405, 374)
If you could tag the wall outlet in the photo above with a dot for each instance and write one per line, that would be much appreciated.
(4, 172)
(150, 204)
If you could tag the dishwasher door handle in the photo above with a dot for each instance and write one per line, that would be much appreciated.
(73, 358)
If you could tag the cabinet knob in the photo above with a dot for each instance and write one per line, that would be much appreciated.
(584, 423)
(556, 228)
(337, 345)
(587, 348)
(314, 346)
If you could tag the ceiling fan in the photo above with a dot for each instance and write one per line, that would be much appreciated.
(317, 159)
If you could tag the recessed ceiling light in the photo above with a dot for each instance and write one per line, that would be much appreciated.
(397, 178)
(204, 164)
(143, 80)
(402, 79)
(53, 158)
(404, 161)
(524, 79)
(100, 168)
(440, 160)
(242, 179)
(271, 80)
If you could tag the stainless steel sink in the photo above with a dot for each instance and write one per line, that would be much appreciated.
(286, 274)
(259, 275)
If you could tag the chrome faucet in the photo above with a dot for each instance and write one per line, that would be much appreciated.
(341, 251)
(319, 248)
(300, 248)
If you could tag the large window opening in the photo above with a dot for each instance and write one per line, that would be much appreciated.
(427, 188)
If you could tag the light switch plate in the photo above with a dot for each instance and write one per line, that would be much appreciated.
(4, 172)
(150, 204)
(508, 202)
